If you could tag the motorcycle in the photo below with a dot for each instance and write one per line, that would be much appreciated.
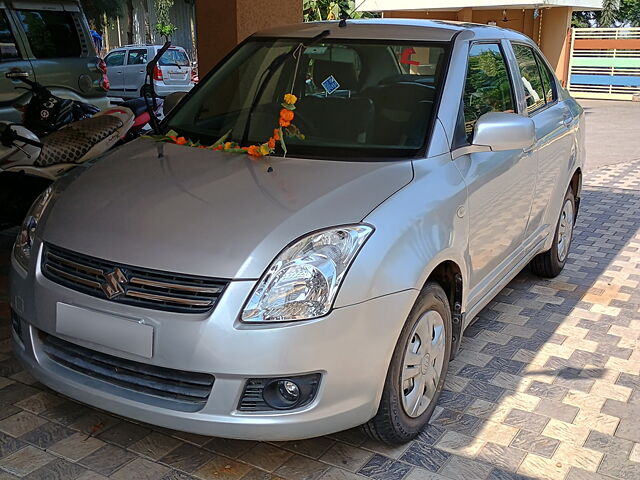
(72, 133)
(28, 164)
(46, 113)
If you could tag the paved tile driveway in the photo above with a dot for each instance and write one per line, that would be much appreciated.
(547, 385)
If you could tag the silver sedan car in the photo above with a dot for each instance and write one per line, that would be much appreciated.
(328, 284)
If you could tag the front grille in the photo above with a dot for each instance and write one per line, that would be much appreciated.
(187, 391)
(136, 286)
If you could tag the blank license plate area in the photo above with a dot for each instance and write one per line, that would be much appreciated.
(112, 331)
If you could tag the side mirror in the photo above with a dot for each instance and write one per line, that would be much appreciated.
(497, 132)
(171, 101)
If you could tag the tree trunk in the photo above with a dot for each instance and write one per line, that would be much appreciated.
(130, 27)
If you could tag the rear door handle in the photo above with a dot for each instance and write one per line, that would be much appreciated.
(567, 119)
(15, 74)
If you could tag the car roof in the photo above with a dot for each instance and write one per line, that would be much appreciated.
(126, 48)
(395, 29)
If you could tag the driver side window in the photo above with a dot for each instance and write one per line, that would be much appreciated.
(487, 87)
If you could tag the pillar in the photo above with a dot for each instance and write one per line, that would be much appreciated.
(556, 23)
(223, 24)
(465, 15)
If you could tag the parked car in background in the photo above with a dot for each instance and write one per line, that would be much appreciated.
(48, 42)
(126, 70)
(198, 290)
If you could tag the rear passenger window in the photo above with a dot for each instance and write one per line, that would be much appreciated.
(534, 92)
(547, 81)
(51, 34)
(8, 48)
(487, 88)
(137, 57)
(115, 59)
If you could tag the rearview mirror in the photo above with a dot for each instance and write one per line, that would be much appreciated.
(171, 101)
(498, 132)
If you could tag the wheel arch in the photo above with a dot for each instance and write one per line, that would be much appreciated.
(576, 186)
(449, 275)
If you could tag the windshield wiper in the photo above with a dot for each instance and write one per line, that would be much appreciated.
(268, 73)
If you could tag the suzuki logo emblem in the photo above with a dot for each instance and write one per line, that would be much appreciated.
(113, 284)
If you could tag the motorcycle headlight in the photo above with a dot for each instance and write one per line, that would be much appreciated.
(302, 282)
(24, 241)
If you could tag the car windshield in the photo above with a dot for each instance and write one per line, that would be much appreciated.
(356, 99)
(174, 57)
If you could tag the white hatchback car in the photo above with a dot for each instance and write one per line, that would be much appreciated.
(127, 66)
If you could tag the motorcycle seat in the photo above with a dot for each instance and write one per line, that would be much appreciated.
(137, 105)
(71, 144)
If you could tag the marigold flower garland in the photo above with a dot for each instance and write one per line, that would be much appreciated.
(285, 126)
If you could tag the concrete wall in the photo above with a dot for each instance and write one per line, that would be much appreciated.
(556, 25)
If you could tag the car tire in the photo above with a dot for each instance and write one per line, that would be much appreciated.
(549, 264)
(144, 90)
(404, 411)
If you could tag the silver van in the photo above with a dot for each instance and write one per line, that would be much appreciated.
(127, 67)
(49, 42)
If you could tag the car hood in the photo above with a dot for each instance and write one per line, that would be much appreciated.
(200, 212)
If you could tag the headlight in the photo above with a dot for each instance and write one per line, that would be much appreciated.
(26, 237)
(302, 282)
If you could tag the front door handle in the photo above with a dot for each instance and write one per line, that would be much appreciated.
(567, 119)
(16, 74)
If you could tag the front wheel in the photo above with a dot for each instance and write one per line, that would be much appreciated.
(549, 264)
(417, 371)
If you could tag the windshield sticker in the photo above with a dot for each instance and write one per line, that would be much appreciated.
(405, 56)
(331, 84)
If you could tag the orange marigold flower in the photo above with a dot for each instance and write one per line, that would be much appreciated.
(228, 145)
(272, 143)
(254, 151)
(181, 140)
(219, 147)
(290, 99)
(286, 115)
(276, 134)
(284, 123)
(173, 137)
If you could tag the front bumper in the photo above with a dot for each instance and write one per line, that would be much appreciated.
(351, 348)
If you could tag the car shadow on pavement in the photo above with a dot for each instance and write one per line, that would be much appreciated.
(528, 396)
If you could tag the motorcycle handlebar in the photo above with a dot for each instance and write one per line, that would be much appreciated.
(9, 136)
(152, 64)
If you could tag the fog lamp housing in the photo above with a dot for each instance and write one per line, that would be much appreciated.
(279, 393)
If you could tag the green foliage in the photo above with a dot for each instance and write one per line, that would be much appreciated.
(629, 12)
(164, 27)
(615, 13)
(315, 10)
(97, 10)
(609, 12)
